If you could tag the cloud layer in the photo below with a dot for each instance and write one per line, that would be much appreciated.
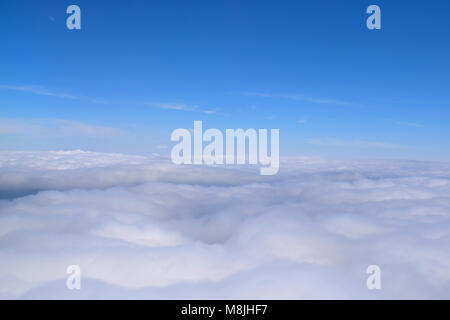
(143, 228)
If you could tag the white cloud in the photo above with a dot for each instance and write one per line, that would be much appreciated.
(39, 90)
(410, 124)
(54, 128)
(332, 142)
(297, 97)
(182, 107)
(171, 106)
(144, 228)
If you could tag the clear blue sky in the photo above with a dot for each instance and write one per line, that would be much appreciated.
(310, 68)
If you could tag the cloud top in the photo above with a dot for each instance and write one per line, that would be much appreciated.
(144, 228)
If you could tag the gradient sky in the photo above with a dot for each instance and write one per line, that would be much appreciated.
(139, 69)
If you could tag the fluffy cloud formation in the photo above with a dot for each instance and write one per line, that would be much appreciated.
(144, 228)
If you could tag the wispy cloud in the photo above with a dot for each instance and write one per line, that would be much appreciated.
(300, 98)
(409, 124)
(51, 93)
(55, 128)
(332, 142)
(171, 106)
(181, 107)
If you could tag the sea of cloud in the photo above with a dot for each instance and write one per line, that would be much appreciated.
(144, 228)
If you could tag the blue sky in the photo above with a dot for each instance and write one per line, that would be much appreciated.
(139, 69)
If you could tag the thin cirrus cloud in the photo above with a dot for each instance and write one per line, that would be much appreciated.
(297, 97)
(181, 107)
(144, 228)
(409, 124)
(332, 142)
(55, 128)
(39, 90)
